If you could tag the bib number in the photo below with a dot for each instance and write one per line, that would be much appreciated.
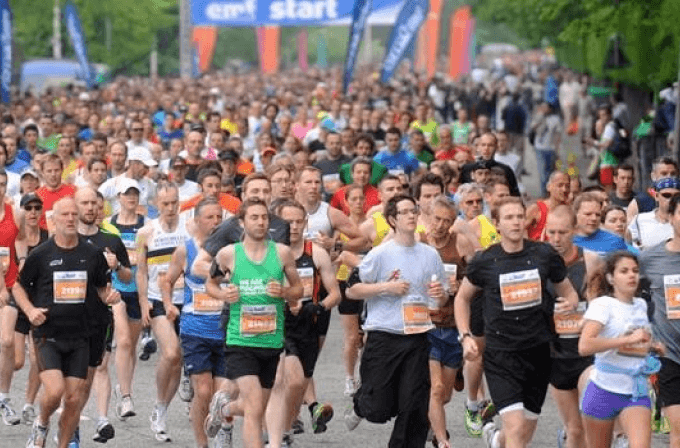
(639, 350)
(416, 317)
(258, 320)
(520, 290)
(569, 324)
(671, 286)
(205, 304)
(307, 278)
(70, 287)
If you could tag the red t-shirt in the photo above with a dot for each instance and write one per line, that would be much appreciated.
(49, 197)
(227, 202)
(8, 236)
(371, 195)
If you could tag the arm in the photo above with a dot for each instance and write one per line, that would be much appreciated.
(465, 247)
(201, 266)
(293, 292)
(167, 282)
(323, 263)
(37, 316)
(142, 276)
(590, 341)
(631, 211)
(461, 307)
(365, 291)
(567, 297)
(220, 270)
(532, 215)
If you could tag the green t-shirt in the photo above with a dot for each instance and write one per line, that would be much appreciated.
(429, 129)
(256, 319)
(426, 157)
(377, 173)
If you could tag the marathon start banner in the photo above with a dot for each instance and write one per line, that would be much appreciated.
(279, 12)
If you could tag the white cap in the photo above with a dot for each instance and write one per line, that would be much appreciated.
(215, 91)
(141, 154)
(124, 183)
(84, 96)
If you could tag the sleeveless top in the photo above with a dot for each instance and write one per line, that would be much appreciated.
(200, 313)
(453, 262)
(535, 231)
(128, 234)
(159, 253)
(44, 235)
(382, 228)
(488, 234)
(460, 132)
(309, 274)
(8, 253)
(319, 221)
(256, 319)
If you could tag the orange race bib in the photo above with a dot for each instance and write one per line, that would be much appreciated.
(569, 324)
(258, 320)
(307, 278)
(520, 290)
(70, 287)
(416, 316)
(205, 304)
(4, 258)
(671, 286)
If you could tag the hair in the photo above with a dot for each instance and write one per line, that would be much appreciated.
(276, 167)
(466, 189)
(495, 139)
(51, 158)
(250, 203)
(393, 130)
(673, 204)
(365, 138)
(389, 177)
(606, 107)
(443, 201)
(31, 127)
(391, 207)
(207, 172)
(309, 169)
(495, 211)
(664, 161)
(593, 188)
(555, 174)
(428, 179)
(610, 208)
(491, 184)
(166, 186)
(350, 188)
(253, 177)
(206, 201)
(585, 197)
(94, 160)
(289, 203)
(599, 282)
(361, 161)
(624, 167)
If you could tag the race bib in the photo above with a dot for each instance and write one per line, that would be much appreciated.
(131, 246)
(416, 316)
(258, 320)
(671, 286)
(520, 290)
(331, 182)
(4, 258)
(307, 278)
(205, 304)
(70, 287)
(569, 324)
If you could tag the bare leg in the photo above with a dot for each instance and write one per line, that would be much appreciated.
(70, 417)
(169, 368)
(102, 387)
(8, 319)
(442, 379)
(203, 390)
(127, 335)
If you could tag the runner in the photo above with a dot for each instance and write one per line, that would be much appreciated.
(156, 242)
(210, 183)
(200, 333)
(537, 214)
(512, 276)
(256, 269)
(53, 189)
(376, 229)
(59, 282)
(400, 280)
(589, 235)
(651, 228)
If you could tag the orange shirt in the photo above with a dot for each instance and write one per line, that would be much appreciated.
(227, 202)
(49, 197)
(244, 167)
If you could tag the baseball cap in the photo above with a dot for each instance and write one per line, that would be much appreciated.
(28, 198)
(228, 155)
(327, 124)
(30, 172)
(141, 154)
(125, 183)
(179, 160)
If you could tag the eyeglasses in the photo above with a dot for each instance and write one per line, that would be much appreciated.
(669, 195)
(408, 211)
(30, 208)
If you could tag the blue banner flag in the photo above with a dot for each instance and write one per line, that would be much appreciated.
(75, 33)
(5, 51)
(361, 10)
(403, 34)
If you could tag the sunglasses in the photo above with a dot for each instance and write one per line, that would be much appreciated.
(30, 208)
(668, 195)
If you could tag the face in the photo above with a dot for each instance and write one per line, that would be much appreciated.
(31, 138)
(389, 189)
(66, 218)
(559, 188)
(282, 185)
(33, 212)
(664, 197)
(445, 138)
(211, 186)
(472, 205)
(297, 220)
(361, 174)
(511, 222)
(499, 192)
(356, 200)
(310, 186)
(615, 222)
(87, 206)
(256, 222)
(118, 155)
(137, 131)
(417, 141)
(362, 148)
(195, 143)
(588, 217)
(559, 233)
(480, 175)
(258, 189)
(407, 217)
(209, 218)
(168, 203)
(129, 200)
(442, 220)
(626, 277)
(97, 173)
(664, 170)
(136, 169)
(427, 194)
(502, 142)
(52, 174)
(217, 140)
(333, 145)
(392, 141)
(486, 146)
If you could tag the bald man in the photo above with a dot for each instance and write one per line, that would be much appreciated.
(558, 187)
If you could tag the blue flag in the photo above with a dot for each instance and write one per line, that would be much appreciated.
(5, 51)
(362, 9)
(75, 34)
(403, 34)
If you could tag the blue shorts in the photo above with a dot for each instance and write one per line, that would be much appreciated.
(204, 355)
(445, 348)
(601, 404)
(132, 309)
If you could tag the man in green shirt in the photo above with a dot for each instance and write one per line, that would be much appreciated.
(364, 146)
(255, 269)
(419, 147)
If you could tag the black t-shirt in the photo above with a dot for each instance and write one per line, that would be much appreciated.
(102, 240)
(64, 281)
(328, 166)
(615, 200)
(230, 232)
(316, 145)
(518, 316)
(466, 174)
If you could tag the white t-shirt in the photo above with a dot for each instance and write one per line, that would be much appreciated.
(108, 189)
(510, 159)
(187, 190)
(617, 318)
(646, 231)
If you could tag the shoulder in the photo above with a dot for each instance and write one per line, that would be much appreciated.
(640, 304)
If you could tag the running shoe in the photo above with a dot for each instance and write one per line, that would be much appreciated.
(488, 434)
(352, 420)
(214, 419)
(104, 431)
(487, 411)
(298, 426)
(9, 415)
(75, 439)
(224, 436)
(321, 415)
(436, 443)
(287, 441)
(561, 438)
(38, 436)
(159, 424)
(473, 423)
(664, 425)
(125, 408)
(349, 387)
(28, 414)
(149, 346)
(186, 389)
(620, 441)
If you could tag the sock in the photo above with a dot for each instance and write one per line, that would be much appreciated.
(312, 406)
(28, 405)
(472, 405)
(4, 396)
(162, 407)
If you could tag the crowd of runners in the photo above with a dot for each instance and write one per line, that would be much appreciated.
(222, 220)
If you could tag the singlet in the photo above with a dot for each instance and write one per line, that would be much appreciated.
(461, 132)
(535, 231)
(303, 326)
(319, 221)
(201, 312)
(488, 234)
(128, 234)
(256, 319)
(8, 253)
(159, 252)
(453, 264)
(44, 235)
(382, 228)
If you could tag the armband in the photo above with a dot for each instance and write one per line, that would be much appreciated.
(216, 271)
(353, 278)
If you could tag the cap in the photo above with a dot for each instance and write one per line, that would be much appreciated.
(228, 155)
(179, 160)
(84, 96)
(123, 184)
(214, 91)
(28, 198)
(141, 154)
(30, 172)
(667, 182)
(327, 124)
(269, 150)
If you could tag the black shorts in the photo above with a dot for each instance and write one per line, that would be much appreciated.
(669, 383)
(22, 325)
(477, 316)
(158, 310)
(518, 376)
(306, 349)
(101, 341)
(70, 356)
(349, 307)
(132, 308)
(323, 322)
(565, 372)
(261, 362)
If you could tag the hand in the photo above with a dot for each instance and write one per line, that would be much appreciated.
(145, 310)
(436, 291)
(295, 307)
(324, 241)
(274, 289)
(562, 305)
(639, 336)
(454, 284)
(4, 297)
(659, 348)
(37, 316)
(171, 312)
(113, 298)
(230, 294)
(111, 258)
(470, 349)
(397, 287)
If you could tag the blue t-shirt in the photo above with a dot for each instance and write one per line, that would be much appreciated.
(402, 160)
(601, 242)
(18, 166)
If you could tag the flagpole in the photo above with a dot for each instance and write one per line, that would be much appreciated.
(56, 31)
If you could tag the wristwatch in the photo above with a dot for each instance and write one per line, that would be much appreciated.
(462, 336)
